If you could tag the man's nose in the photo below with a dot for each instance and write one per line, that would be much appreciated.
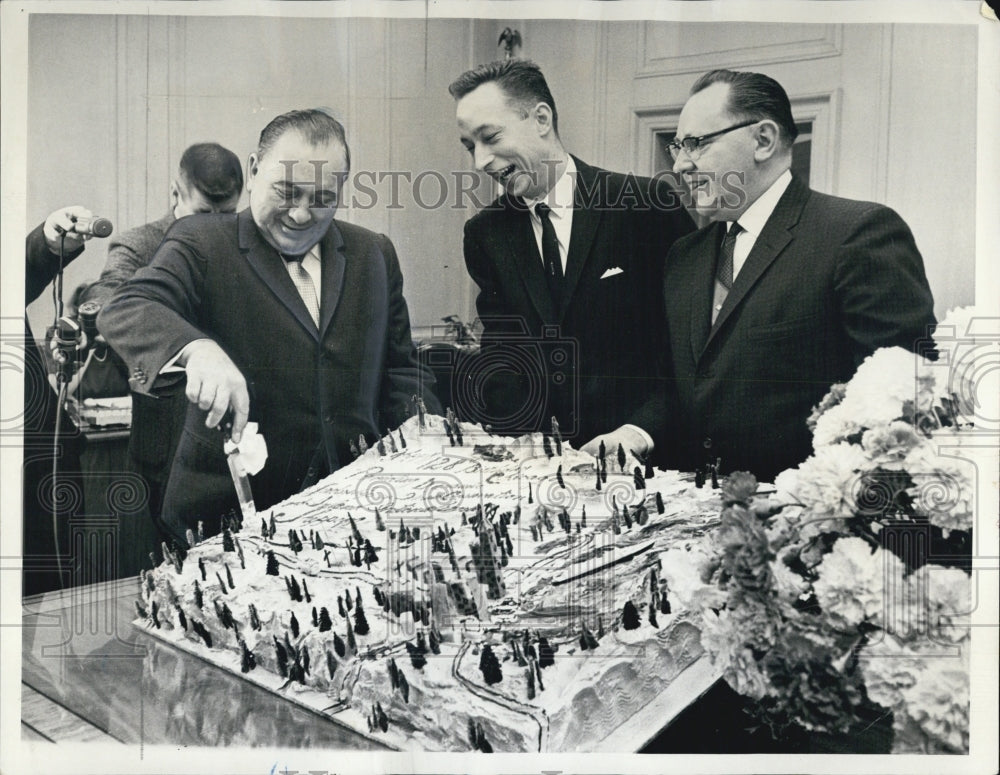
(481, 157)
(299, 211)
(683, 162)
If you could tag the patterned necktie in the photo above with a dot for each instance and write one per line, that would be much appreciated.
(724, 273)
(724, 270)
(304, 284)
(550, 253)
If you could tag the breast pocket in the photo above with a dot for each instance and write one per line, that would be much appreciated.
(785, 346)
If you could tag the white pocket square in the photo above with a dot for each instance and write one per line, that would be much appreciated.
(612, 272)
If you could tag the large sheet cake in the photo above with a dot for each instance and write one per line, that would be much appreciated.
(452, 590)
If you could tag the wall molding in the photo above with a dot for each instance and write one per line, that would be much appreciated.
(828, 42)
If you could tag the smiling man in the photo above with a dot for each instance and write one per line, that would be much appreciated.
(568, 262)
(783, 295)
(280, 314)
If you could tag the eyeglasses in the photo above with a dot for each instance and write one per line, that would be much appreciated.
(692, 146)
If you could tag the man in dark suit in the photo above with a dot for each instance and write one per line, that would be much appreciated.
(209, 180)
(568, 262)
(49, 561)
(278, 314)
(783, 295)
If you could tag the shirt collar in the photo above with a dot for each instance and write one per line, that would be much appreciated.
(562, 195)
(757, 214)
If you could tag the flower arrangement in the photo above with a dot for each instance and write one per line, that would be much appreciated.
(847, 594)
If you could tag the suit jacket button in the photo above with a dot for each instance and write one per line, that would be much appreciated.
(707, 443)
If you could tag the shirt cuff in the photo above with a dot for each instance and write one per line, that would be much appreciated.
(173, 366)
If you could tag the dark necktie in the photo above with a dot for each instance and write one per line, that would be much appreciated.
(550, 253)
(304, 284)
(724, 269)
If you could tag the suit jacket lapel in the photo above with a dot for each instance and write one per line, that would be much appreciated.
(702, 264)
(270, 267)
(523, 253)
(332, 252)
(585, 223)
(772, 240)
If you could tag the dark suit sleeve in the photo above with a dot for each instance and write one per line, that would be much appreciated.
(881, 287)
(670, 222)
(499, 392)
(403, 375)
(40, 264)
(153, 316)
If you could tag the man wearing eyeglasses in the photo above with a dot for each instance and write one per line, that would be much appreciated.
(278, 314)
(782, 295)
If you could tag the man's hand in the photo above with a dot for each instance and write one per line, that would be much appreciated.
(215, 384)
(628, 436)
(61, 222)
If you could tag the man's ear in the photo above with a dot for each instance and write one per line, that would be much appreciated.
(543, 118)
(252, 162)
(767, 140)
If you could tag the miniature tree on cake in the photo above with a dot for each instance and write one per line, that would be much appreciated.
(360, 620)
(546, 654)
(247, 661)
(630, 616)
(490, 666)
(417, 655)
(352, 644)
(404, 687)
(294, 624)
(227, 541)
(331, 664)
(325, 624)
(639, 479)
(621, 458)
(272, 564)
(338, 645)
(379, 524)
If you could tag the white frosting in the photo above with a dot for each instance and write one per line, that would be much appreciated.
(552, 584)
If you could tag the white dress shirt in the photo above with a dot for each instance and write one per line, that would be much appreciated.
(560, 199)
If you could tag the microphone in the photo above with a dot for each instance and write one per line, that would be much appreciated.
(96, 226)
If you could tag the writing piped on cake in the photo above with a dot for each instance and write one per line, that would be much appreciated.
(251, 452)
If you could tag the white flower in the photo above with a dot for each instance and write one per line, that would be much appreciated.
(852, 580)
(884, 382)
(926, 688)
(888, 445)
(940, 601)
(944, 488)
(826, 484)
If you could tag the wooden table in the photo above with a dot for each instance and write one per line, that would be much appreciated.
(89, 675)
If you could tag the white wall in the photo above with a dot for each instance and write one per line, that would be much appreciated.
(112, 106)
